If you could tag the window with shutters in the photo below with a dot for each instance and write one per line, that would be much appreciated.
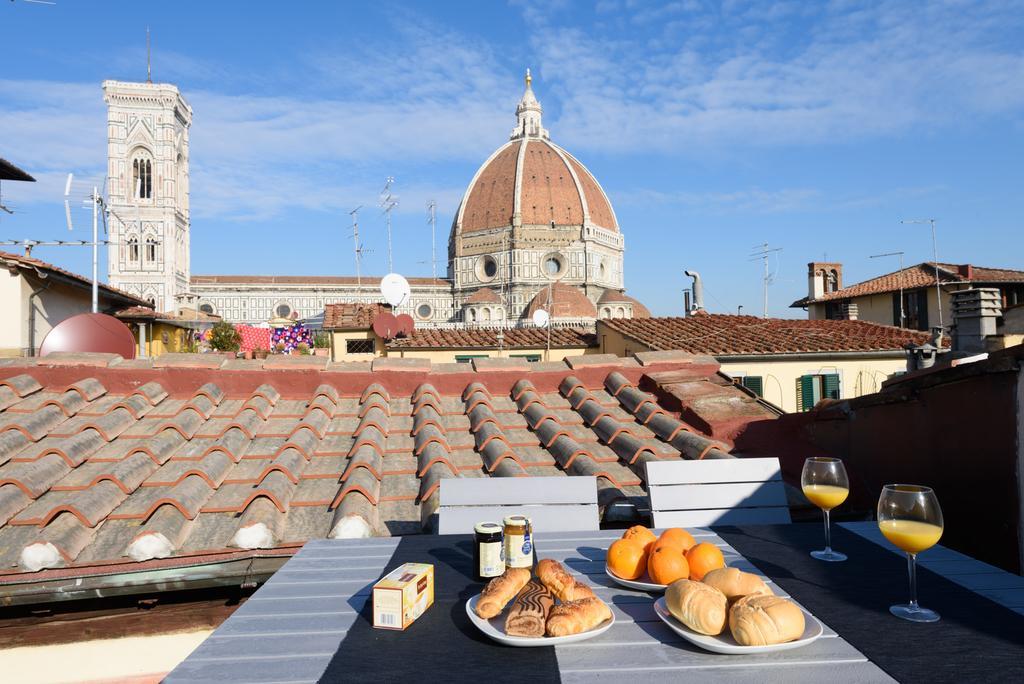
(532, 358)
(915, 310)
(754, 383)
(810, 389)
(468, 358)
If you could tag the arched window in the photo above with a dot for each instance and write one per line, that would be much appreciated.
(620, 312)
(133, 249)
(142, 177)
(486, 314)
(472, 315)
(206, 308)
(151, 249)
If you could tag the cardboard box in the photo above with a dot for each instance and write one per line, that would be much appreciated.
(403, 595)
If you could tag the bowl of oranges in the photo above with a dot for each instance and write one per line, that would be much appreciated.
(646, 561)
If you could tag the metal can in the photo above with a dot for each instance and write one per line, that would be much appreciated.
(489, 551)
(518, 541)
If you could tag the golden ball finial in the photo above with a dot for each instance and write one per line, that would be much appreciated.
(529, 79)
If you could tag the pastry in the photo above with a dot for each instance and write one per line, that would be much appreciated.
(735, 583)
(574, 617)
(529, 614)
(699, 606)
(500, 590)
(759, 620)
(563, 585)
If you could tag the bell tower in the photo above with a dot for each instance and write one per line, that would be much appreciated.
(147, 166)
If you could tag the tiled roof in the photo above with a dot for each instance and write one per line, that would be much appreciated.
(368, 281)
(721, 334)
(487, 338)
(567, 301)
(190, 459)
(32, 263)
(352, 316)
(921, 275)
(484, 295)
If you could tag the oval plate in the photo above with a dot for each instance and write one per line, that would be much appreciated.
(495, 629)
(724, 643)
(636, 584)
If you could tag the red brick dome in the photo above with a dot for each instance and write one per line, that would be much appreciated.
(566, 302)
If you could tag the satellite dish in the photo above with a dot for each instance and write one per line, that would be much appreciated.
(541, 318)
(405, 324)
(395, 289)
(385, 325)
(90, 332)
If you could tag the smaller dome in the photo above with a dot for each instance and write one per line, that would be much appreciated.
(639, 310)
(613, 297)
(566, 302)
(484, 295)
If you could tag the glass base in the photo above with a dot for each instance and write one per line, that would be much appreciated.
(905, 611)
(828, 555)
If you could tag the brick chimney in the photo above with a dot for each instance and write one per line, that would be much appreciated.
(966, 270)
(823, 277)
(974, 317)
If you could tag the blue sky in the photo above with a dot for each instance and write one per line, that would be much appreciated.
(713, 126)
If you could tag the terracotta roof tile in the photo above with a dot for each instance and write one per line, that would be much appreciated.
(31, 263)
(487, 338)
(721, 335)
(352, 316)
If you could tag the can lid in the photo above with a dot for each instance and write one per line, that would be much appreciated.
(487, 527)
(516, 520)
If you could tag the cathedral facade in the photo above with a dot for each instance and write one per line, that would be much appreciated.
(534, 230)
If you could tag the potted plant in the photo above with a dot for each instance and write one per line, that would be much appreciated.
(260, 353)
(322, 344)
(301, 349)
(225, 338)
(279, 348)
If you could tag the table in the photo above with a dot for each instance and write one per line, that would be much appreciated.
(289, 630)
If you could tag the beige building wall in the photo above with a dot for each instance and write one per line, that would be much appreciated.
(338, 345)
(12, 308)
(878, 308)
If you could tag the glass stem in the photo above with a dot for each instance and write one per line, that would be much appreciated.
(828, 532)
(912, 571)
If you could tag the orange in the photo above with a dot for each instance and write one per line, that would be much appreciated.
(641, 534)
(627, 558)
(667, 564)
(704, 558)
(677, 537)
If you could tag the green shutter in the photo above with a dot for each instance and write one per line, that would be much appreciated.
(830, 387)
(805, 392)
(754, 384)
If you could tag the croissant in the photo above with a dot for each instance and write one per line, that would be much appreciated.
(500, 590)
(574, 617)
(557, 579)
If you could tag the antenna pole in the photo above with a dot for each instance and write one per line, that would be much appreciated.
(355, 238)
(762, 253)
(95, 251)
(388, 202)
(432, 205)
(935, 256)
(149, 61)
(903, 314)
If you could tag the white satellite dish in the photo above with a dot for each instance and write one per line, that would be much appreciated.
(395, 289)
(541, 318)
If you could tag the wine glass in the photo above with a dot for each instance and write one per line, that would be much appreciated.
(909, 516)
(826, 486)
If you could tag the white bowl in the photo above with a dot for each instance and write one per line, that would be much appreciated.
(495, 629)
(724, 643)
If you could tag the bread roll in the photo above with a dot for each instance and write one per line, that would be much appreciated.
(500, 590)
(735, 583)
(562, 584)
(574, 617)
(759, 620)
(528, 616)
(699, 606)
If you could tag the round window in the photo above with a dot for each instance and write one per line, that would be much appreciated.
(283, 310)
(206, 308)
(486, 268)
(552, 265)
(424, 311)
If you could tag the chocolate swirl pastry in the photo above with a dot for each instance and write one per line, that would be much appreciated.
(529, 614)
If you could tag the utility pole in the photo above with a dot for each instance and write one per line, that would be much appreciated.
(903, 315)
(935, 256)
(762, 252)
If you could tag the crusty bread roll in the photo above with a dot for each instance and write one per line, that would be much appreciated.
(574, 617)
(735, 583)
(759, 620)
(500, 590)
(556, 578)
(699, 606)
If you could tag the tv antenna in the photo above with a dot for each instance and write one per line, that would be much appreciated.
(762, 252)
(899, 279)
(387, 203)
(358, 246)
(935, 256)
(432, 208)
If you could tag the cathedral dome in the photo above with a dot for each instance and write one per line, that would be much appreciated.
(531, 181)
(564, 301)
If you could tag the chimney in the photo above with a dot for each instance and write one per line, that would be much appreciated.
(823, 277)
(966, 270)
(698, 291)
(974, 318)
(686, 302)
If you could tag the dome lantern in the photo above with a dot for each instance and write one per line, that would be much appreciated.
(528, 115)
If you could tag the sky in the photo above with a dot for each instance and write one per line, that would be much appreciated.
(714, 127)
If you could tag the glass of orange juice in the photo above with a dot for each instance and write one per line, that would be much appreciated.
(909, 516)
(826, 486)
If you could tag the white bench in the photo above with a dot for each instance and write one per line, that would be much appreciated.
(554, 504)
(730, 491)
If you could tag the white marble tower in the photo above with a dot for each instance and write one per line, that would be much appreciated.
(147, 166)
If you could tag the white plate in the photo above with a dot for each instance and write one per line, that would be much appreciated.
(636, 584)
(495, 629)
(724, 643)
